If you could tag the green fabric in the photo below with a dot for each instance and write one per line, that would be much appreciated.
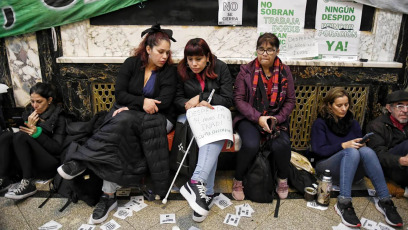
(38, 133)
(25, 16)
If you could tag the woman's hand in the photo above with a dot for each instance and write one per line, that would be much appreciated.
(193, 102)
(263, 122)
(119, 110)
(29, 130)
(352, 144)
(149, 106)
(32, 120)
(205, 104)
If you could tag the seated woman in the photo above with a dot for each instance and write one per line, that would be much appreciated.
(264, 90)
(35, 149)
(133, 138)
(335, 138)
(199, 73)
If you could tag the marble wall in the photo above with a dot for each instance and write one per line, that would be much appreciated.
(234, 43)
(24, 65)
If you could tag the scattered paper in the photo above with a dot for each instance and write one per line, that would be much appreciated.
(341, 226)
(371, 192)
(123, 213)
(135, 205)
(231, 219)
(368, 224)
(222, 201)
(111, 225)
(382, 226)
(139, 199)
(123, 192)
(86, 227)
(167, 218)
(244, 210)
(50, 225)
(313, 204)
(193, 228)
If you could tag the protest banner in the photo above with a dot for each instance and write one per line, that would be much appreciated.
(281, 18)
(209, 125)
(230, 12)
(20, 17)
(301, 46)
(337, 29)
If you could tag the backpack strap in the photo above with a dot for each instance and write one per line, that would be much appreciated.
(277, 207)
(65, 205)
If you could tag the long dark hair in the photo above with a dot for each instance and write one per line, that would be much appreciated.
(45, 90)
(197, 47)
(151, 39)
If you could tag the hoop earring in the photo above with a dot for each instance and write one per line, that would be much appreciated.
(187, 65)
(208, 63)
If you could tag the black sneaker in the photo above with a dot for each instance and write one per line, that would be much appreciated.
(199, 218)
(5, 184)
(71, 169)
(102, 208)
(25, 189)
(387, 208)
(347, 214)
(195, 196)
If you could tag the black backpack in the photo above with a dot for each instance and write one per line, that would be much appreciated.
(259, 181)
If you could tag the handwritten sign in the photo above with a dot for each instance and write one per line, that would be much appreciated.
(301, 46)
(210, 125)
(230, 12)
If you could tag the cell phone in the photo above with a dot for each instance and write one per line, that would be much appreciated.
(17, 122)
(271, 123)
(365, 138)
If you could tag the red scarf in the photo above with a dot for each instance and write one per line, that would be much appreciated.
(275, 87)
(397, 124)
(201, 80)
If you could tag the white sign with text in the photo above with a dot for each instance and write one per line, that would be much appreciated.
(281, 17)
(210, 125)
(230, 12)
(301, 46)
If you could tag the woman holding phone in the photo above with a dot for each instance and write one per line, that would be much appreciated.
(35, 149)
(336, 139)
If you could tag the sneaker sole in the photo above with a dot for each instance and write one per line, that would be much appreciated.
(98, 221)
(386, 219)
(200, 218)
(191, 201)
(13, 196)
(343, 220)
(67, 176)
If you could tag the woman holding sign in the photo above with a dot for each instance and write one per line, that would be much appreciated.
(336, 139)
(200, 72)
(264, 96)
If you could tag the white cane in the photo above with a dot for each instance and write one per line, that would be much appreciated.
(164, 201)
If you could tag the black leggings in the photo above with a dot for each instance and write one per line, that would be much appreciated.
(33, 159)
(250, 136)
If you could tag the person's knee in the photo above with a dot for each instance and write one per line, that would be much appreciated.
(366, 152)
(353, 153)
(20, 137)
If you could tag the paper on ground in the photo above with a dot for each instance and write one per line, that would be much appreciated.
(167, 218)
(231, 219)
(50, 225)
(313, 204)
(111, 225)
(222, 201)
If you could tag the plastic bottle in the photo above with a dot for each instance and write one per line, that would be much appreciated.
(324, 188)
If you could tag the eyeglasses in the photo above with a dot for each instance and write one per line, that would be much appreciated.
(269, 51)
(401, 107)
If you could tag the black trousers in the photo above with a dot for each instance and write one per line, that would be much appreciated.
(398, 174)
(250, 136)
(24, 151)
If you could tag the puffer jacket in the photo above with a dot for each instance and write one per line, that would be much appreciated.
(125, 147)
(385, 137)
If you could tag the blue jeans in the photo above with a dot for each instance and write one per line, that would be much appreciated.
(207, 161)
(344, 164)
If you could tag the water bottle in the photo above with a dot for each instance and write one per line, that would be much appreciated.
(324, 188)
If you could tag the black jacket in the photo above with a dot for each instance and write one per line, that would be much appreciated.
(385, 137)
(52, 122)
(191, 88)
(129, 87)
